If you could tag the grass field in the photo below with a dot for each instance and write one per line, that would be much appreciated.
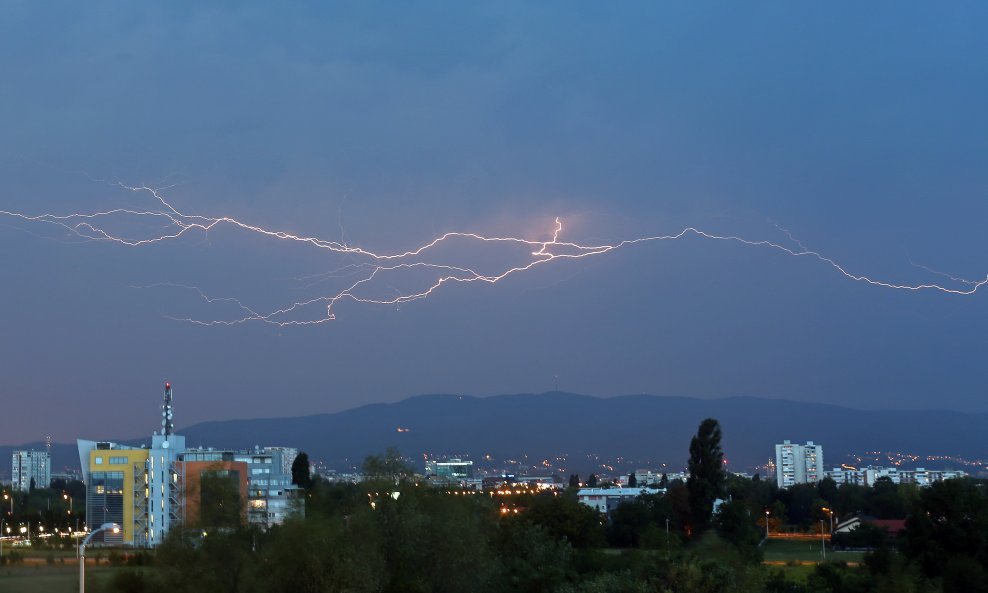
(780, 550)
(59, 578)
(797, 559)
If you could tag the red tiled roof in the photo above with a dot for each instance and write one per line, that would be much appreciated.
(893, 526)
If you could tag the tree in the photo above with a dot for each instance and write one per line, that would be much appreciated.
(679, 501)
(885, 501)
(220, 503)
(627, 522)
(737, 526)
(574, 480)
(803, 504)
(828, 490)
(592, 481)
(707, 476)
(566, 519)
(301, 474)
(632, 480)
(949, 523)
(864, 535)
(390, 466)
(664, 480)
(850, 499)
(531, 560)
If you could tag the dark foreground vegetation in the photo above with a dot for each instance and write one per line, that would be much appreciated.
(390, 534)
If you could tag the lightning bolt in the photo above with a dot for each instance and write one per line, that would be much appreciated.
(373, 268)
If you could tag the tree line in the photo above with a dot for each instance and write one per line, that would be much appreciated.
(391, 534)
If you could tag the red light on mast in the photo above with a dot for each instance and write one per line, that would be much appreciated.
(168, 385)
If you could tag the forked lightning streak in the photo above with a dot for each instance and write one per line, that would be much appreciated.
(373, 268)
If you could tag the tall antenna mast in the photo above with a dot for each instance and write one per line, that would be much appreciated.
(167, 426)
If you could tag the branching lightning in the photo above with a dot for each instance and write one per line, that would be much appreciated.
(373, 268)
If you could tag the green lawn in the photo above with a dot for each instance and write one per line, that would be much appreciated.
(777, 550)
(53, 579)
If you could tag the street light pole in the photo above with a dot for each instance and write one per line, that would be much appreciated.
(766, 523)
(82, 552)
(823, 541)
(830, 512)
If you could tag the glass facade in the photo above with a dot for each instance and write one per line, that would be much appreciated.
(105, 500)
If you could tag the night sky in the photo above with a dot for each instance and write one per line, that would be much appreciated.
(862, 129)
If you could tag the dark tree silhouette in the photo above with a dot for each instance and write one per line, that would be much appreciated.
(574, 480)
(389, 467)
(592, 481)
(220, 504)
(707, 476)
(632, 480)
(301, 475)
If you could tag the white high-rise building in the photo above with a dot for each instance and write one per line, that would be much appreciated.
(813, 462)
(286, 458)
(26, 466)
(798, 464)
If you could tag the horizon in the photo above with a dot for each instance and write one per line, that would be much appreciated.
(234, 420)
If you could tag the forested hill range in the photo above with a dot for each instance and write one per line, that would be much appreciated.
(634, 427)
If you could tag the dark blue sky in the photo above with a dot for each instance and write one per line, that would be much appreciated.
(863, 129)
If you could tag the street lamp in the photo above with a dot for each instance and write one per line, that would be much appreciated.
(111, 527)
(10, 497)
(823, 541)
(831, 513)
(766, 523)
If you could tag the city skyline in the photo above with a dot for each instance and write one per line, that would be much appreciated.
(384, 133)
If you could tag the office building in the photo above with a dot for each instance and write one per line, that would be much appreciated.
(142, 489)
(270, 496)
(203, 479)
(451, 471)
(148, 490)
(30, 468)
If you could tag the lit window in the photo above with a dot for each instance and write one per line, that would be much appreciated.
(99, 461)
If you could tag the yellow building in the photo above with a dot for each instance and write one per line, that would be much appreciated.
(117, 489)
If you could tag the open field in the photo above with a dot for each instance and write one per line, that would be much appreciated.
(803, 551)
(59, 578)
